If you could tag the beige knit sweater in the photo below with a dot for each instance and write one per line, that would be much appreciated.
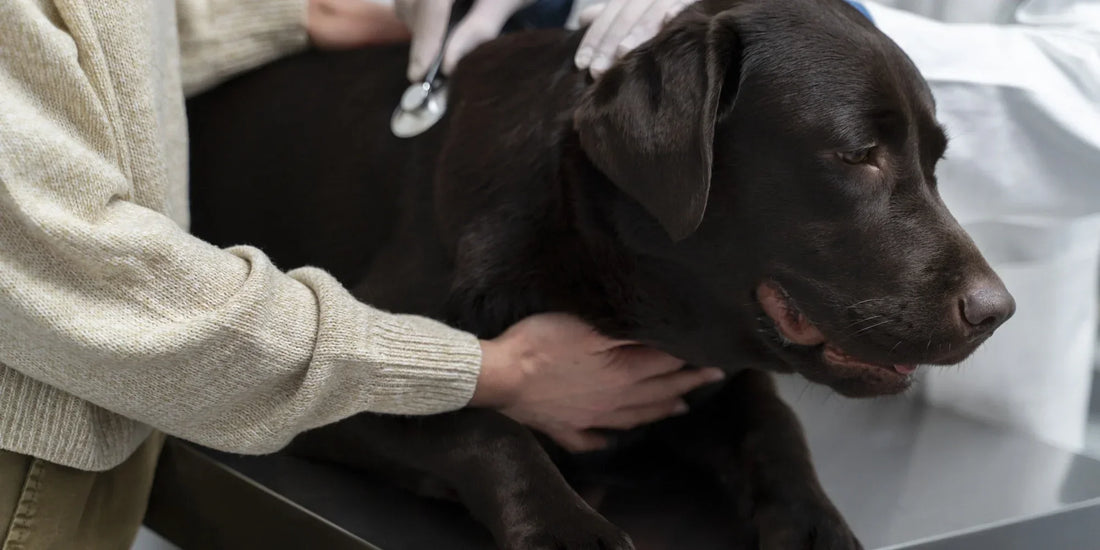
(113, 319)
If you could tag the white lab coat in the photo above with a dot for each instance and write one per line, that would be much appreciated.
(1017, 84)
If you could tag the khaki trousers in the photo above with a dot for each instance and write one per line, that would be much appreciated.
(44, 506)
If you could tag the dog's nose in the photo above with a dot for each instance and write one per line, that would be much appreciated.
(986, 306)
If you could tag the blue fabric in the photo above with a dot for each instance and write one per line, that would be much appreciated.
(544, 14)
(862, 9)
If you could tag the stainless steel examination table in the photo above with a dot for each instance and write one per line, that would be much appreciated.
(906, 476)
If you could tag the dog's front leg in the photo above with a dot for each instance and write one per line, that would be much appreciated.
(755, 444)
(495, 466)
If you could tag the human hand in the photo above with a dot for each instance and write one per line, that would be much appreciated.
(556, 374)
(618, 26)
(342, 24)
(428, 21)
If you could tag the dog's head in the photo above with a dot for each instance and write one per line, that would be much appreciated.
(784, 154)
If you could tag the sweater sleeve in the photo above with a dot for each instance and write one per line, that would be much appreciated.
(111, 301)
(220, 38)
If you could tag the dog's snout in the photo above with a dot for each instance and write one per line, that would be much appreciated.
(986, 306)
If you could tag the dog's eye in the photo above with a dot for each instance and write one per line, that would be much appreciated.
(857, 156)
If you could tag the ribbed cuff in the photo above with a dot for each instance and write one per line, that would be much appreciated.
(398, 364)
(427, 367)
(47, 423)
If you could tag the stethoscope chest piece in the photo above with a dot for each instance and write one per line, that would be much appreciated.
(422, 106)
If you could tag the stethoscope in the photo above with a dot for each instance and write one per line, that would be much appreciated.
(424, 103)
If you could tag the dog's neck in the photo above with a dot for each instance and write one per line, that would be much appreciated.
(575, 235)
(651, 292)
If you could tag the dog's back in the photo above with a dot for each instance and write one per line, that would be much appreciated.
(294, 141)
(305, 143)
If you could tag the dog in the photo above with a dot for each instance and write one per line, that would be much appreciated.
(753, 189)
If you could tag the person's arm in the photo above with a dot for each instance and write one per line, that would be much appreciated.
(106, 298)
(220, 38)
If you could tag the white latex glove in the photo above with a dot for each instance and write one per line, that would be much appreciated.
(619, 26)
(427, 20)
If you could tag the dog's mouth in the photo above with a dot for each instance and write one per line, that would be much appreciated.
(795, 328)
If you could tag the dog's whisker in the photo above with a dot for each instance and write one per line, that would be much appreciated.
(864, 320)
(805, 387)
(865, 329)
(852, 334)
(861, 302)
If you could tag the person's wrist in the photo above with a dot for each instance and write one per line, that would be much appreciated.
(344, 24)
(501, 375)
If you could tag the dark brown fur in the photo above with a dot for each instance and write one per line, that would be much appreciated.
(652, 204)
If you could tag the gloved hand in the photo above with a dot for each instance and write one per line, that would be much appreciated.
(616, 28)
(619, 26)
(427, 19)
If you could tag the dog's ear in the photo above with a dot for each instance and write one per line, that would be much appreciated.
(648, 123)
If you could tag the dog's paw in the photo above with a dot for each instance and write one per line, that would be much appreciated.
(586, 530)
(805, 527)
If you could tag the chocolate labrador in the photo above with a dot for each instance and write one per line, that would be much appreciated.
(753, 189)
